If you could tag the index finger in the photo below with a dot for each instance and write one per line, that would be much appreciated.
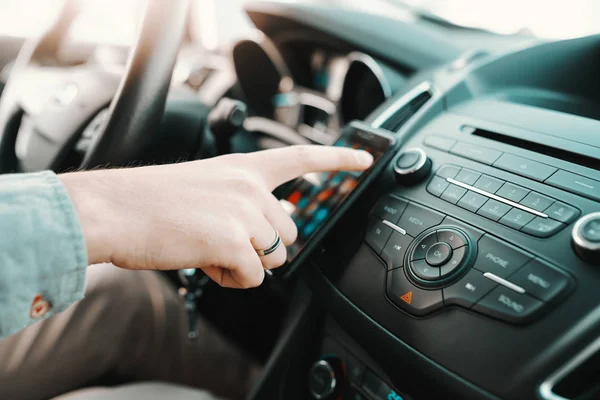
(278, 166)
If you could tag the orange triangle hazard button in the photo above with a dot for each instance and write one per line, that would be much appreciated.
(407, 297)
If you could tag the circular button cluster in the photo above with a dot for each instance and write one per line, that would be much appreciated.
(438, 255)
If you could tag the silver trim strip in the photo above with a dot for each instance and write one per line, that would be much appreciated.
(545, 389)
(317, 101)
(394, 227)
(578, 236)
(402, 102)
(504, 282)
(498, 198)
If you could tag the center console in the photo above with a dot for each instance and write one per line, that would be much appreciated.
(470, 267)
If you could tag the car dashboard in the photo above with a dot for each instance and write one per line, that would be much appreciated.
(468, 269)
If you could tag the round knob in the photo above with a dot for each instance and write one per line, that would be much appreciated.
(586, 238)
(325, 379)
(412, 166)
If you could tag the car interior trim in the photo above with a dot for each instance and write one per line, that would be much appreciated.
(504, 282)
(546, 389)
(394, 227)
(497, 198)
(374, 66)
(421, 88)
(317, 101)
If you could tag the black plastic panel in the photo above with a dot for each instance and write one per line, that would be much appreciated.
(458, 352)
(456, 339)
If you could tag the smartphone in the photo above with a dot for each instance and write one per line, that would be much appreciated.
(316, 200)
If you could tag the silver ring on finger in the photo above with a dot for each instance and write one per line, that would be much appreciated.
(271, 249)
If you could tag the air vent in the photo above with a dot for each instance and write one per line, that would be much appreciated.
(400, 112)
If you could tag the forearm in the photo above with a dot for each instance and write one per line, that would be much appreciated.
(91, 194)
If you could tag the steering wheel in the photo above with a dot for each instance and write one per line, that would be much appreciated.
(45, 107)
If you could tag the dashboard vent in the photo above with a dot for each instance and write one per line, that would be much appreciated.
(400, 112)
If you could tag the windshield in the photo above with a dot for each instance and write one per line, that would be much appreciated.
(550, 19)
(219, 22)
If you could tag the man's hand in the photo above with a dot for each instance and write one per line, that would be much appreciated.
(211, 214)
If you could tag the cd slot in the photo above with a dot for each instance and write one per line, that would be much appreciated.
(565, 155)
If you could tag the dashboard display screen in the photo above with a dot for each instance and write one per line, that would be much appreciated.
(314, 197)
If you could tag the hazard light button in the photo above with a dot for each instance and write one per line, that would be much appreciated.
(410, 298)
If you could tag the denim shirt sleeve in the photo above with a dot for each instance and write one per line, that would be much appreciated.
(42, 249)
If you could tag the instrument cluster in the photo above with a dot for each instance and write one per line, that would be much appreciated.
(313, 92)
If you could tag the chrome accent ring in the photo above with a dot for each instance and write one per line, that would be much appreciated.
(415, 167)
(577, 235)
(331, 388)
(271, 249)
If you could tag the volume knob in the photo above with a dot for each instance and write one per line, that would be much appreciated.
(586, 238)
(326, 378)
(412, 166)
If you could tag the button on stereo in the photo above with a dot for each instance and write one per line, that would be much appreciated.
(499, 258)
(525, 167)
(437, 185)
(390, 208)
(410, 298)
(417, 219)
(438, 254)
(469, 290)
(395, 249)
(586, 238)
(540, 280)
(516, 218)
(543, 227)
(411, 166)
(448, 171)
(377, 235)
(449, 236)
(424, 270)
(512, 192)
(472, 201)
(453, 194)
(562, 212)
(489, 184)
(424, 245)
(513, 206)
(536, 201)
(454, 263)
(478, 153)
(493, 209)
(467, 176)
(474, 233)
(574, 183)
(508, 305)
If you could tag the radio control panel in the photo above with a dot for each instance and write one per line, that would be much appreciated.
(433, 264)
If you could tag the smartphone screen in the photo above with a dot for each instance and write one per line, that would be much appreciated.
(314, 197)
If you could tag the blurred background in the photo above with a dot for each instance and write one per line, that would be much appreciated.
(220, 22)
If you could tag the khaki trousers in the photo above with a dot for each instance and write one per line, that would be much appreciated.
(130, 327)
